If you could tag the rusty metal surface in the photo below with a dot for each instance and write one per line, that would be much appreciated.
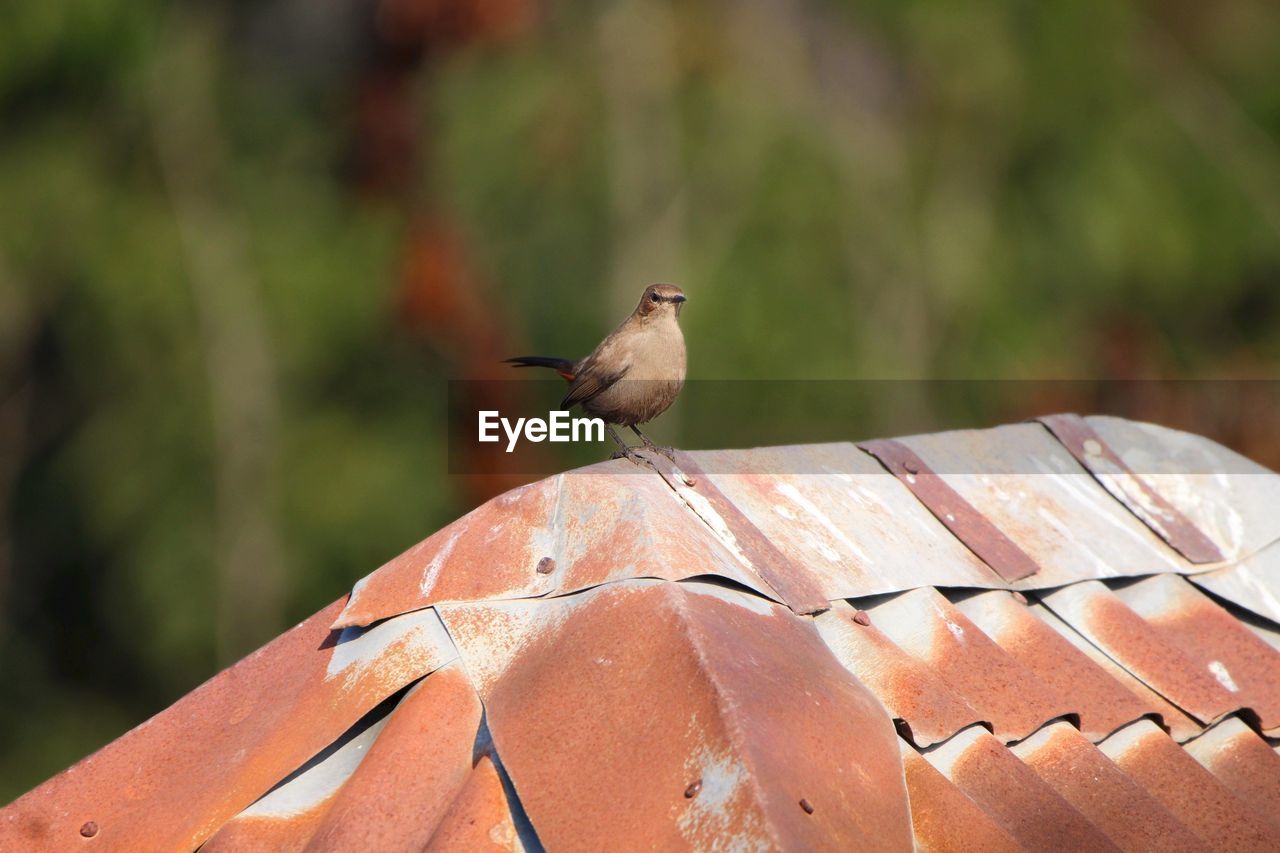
(174, 780)
(839, 516)
(1244, 763)
(1120, 807)
(1101, 703)
(674, 715)
(1143, 649)
(1188, 791)
(386, 788)
(1029, 487)
(1022, 803)
(968, 525)
(287, 817)
(1091, 451)
(1246, 667)
(1004, 692)
(793, 583)
(597, 524)
(1172, 719)
(943, 818)
(479, 819)
(926, 709)
(1229, 498)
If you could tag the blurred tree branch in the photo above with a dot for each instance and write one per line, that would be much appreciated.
(233, 332)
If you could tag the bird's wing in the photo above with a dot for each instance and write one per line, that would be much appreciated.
(590, 379)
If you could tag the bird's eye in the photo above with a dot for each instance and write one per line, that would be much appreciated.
(653, 297)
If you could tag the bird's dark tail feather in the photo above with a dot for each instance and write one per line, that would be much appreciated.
(559, 365)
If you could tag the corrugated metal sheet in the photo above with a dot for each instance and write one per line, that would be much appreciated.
(1188, 791)
(640, 660)
(1014, 795)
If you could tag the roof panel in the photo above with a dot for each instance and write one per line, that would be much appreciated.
(1036, 493)
(1013, 794)
(1142, 649)
(1102, 703)
(943, 818)
(929, 710)
(479, 819)
(1228, 497)
(1244, 763)
(172, 781)
(603, 752)
(1186, 789)
(1243, 664)
(927, 626)
(1180, 726)
(835, 511)
(423, 754)
(1099, 790)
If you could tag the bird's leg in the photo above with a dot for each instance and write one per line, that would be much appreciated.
(668, 452)
(626, 451)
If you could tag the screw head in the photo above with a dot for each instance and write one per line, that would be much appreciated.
(89, 829)
(862, 617)
(692, 790)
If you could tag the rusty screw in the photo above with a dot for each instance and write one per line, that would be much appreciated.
(691, 791)
(911, 467)
(862, 617)
(89, 829)
(808, 809)
(689, 481)
(1019, 597)
(546, 566)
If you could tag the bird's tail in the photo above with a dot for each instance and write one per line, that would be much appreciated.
(563, 366)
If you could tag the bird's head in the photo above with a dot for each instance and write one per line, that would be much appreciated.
(661, 300)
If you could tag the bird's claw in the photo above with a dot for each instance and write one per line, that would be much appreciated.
(629, 453)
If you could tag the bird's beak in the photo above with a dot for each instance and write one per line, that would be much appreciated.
(680, 298)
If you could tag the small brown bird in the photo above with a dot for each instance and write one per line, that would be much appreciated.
(635, 373)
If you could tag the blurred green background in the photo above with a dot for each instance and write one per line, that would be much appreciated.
(243, 247)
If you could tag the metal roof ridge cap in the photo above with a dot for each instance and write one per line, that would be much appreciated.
(734, 730)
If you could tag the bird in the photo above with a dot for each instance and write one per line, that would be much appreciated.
(635, 373)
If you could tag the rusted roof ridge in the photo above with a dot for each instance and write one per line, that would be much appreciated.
(729, 717)
(660, 762)
(1111, 472)
(792, 583)
(968, 525)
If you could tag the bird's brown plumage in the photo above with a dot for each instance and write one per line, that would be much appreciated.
(636, 373)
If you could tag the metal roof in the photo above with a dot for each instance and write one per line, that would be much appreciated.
(1049, 635)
